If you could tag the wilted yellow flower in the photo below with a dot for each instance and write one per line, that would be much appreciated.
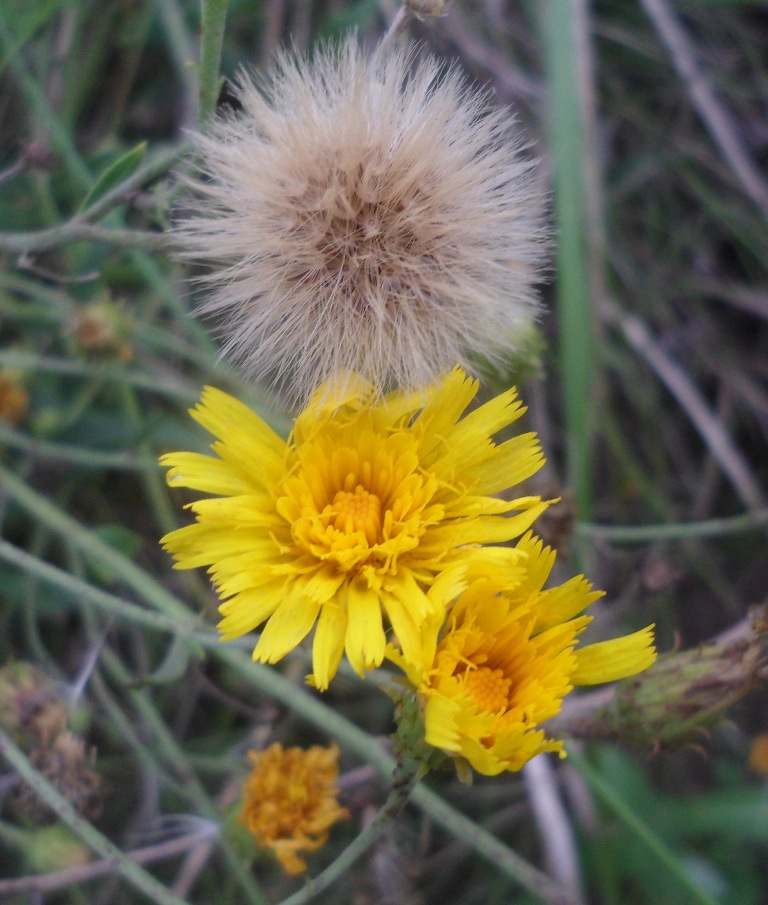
(290, 800)
(14, 399)
(368, 212)
(758, 754)
(507, 656)
(369, 500)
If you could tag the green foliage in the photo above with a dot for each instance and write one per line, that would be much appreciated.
(717, 835)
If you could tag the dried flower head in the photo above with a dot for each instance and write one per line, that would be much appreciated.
(69, 767)
(290, 800)
(425, 9)
(349, 523)
(758, 754)
(370, 213)
(32, 710)
(14, 399)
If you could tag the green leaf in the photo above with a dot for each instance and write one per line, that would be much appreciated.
(27, 18)
(174, 663)
(115, 173)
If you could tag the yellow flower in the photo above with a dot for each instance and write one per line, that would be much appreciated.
(290, 800)
(506, 657)
(369, 500)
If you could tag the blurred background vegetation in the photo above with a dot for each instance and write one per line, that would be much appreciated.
(651, 398)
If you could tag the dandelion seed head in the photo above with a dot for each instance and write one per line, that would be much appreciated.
(365, 212)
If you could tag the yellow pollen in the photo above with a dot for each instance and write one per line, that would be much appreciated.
(489, 688)
(358, 510)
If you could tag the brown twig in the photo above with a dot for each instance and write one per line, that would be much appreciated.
(714, 115)
(691, 400)
(60, 879)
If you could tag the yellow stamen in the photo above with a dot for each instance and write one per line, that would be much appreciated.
(489, 688)
(357, 510)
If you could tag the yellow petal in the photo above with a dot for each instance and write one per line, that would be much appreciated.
(249, 609)
(232, 421)
(365, 641)
(328, 645)
(509, 464)
(618, 658)
(406, 631)
(440, 726)
(198, 472)
(287, 628)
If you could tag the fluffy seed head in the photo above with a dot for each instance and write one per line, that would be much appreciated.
(368, 213)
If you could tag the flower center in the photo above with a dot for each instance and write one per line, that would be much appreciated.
(357, 510)
(489, 688)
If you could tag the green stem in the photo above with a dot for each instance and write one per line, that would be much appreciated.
(403, 785)
(574, 309)
(92, 546)
(639, 534)
(488, 846)
(133, 873)
(106, 371)
(212, 39)
(76, 455)
(74, 231)
(176, 757)
(182, 49)
(81, 228)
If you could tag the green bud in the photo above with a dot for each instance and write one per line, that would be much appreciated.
(52, 848)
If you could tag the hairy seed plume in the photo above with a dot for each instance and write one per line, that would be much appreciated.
(364, 212)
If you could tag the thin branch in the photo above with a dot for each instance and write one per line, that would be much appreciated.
(211, 40)
(674, 377)
(60, 879)
(648, 534)
(81, 228)
(716, 118)
(554, 827)
(77, 231)
(397, 26)
(403, 785)
(184, 58)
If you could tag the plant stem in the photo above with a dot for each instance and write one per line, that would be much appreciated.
(575, 315)
(212, 38)
(403, 784)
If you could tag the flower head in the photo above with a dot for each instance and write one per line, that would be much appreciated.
(290, 800)
(367, 212)
(357, 514)
(507, 655)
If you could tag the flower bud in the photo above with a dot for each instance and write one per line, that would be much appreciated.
(682, 695)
